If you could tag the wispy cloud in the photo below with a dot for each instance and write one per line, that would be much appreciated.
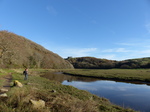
(116, 50)
(77, 52)
(51, 10)
(107, 56)
(145, 52)
(128, 44)
(148, 46)
(85, 86)
(139, 42)
(123, 52)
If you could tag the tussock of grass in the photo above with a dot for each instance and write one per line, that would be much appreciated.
(65, 99)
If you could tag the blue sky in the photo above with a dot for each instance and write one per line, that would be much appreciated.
(110, 29)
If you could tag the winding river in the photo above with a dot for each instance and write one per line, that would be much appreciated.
(135, 96)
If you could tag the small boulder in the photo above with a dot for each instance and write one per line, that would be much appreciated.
(3, 95)
(17, 83)
(38, 104)
(53, 91)
(3, 90)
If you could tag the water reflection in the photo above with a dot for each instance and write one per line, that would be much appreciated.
(58, 76)
(135, 96)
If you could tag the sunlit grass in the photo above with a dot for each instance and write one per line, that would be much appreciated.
(122, 74)
(64, 99)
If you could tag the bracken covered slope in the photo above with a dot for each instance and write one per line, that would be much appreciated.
(19, 52)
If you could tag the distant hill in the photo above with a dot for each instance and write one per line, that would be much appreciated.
(18, 52)
(96, 63)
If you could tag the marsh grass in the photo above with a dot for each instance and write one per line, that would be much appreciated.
(120, 74)
(64, 99)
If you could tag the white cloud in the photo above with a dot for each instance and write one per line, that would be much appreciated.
(116, 50)
(108, 50)
(120, 53)
(128, 44)
(77, 52)
(145, 52)
(85, 86)
(136, 42)
(107, 56)
(148, 46)
(122, 50)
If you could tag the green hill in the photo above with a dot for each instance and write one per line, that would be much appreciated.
(96, 63)
(18, 52)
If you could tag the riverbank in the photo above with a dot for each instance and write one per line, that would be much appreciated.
(57, 97)
(132, 75)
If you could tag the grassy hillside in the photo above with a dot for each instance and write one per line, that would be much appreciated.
(57, 97)
(17, 52)
(96, 63)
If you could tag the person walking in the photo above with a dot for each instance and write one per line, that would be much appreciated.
(25, 72)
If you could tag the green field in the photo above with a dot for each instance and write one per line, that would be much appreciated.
(114, 74)
(64, 99)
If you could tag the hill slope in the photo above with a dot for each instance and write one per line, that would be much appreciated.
(96, 63)
(18, 52)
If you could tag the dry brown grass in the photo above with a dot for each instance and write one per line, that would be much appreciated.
(18, 52)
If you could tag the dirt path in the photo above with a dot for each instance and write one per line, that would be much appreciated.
(8, 79)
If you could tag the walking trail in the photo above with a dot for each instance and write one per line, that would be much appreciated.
(8, 79)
